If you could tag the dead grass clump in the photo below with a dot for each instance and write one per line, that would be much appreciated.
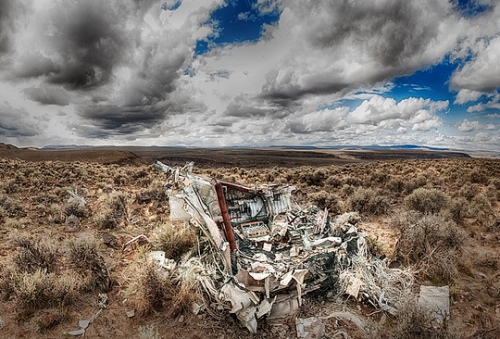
(90, 265)
(38, 290)
(74, 208)
(148, 332)
(34, 255)
(174, 240)
(105, 220)
(118, 205)
(368, 201)
(120, 179)
(415, 322)
(426, 201)
(151, 290)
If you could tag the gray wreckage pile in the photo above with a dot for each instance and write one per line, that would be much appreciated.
(265, 252)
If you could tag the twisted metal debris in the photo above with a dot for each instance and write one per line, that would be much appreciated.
(266, 252)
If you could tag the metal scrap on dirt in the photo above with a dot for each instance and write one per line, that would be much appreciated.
(266, 252)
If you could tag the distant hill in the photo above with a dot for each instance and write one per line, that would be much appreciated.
(286, 156)
(7, 147)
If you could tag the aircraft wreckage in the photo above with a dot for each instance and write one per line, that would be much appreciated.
(269, 251)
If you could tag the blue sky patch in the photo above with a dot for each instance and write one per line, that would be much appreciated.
(172, 7)
(470, 8)
(237, 22)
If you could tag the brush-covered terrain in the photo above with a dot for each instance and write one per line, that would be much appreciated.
(440, 218)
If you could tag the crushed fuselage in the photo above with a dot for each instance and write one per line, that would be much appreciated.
(273, 251)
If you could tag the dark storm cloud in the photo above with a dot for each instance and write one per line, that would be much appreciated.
(48, 95)
(241, 110)
(5, 8)
(366, 42)
(16, 123)
(89, 41)
(9, 11)
(287, 95)
(114, 120)
(35, 65)
(391, 31)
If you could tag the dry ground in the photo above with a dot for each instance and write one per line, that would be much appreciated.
(126, 199)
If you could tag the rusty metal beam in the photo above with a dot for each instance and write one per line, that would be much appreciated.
(237, 187)
(225, 217)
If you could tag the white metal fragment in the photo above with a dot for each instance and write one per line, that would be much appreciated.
(309, 328)
(436, 300)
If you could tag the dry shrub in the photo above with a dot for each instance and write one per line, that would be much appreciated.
(353, 181)
(415, 183)
(368, 201)
(90, 265)
(174, 240)
(459, 209)
(469, 191)
(10, 206)
(155, 191)
(327, 200)
(396, 185)
(481, 209)
(494, 182)
(313, 179)
(426, 201)
(34, 255)
(114, 213)
(74, 208)
(478, 176)
(431, 243)
(414, 322)
(333, 181)
(3, 214)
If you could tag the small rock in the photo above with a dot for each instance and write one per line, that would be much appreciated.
(109, 240)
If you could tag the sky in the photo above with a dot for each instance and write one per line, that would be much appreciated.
(213, 73)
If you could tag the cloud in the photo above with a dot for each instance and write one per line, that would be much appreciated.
(418, 112)
(482, 73)
(466, 95)
(344, 45)
(7, 9)
(48, 95)
(16, 123)
(119, 62)
(493, 103)
(114, 120)
(469, 126)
